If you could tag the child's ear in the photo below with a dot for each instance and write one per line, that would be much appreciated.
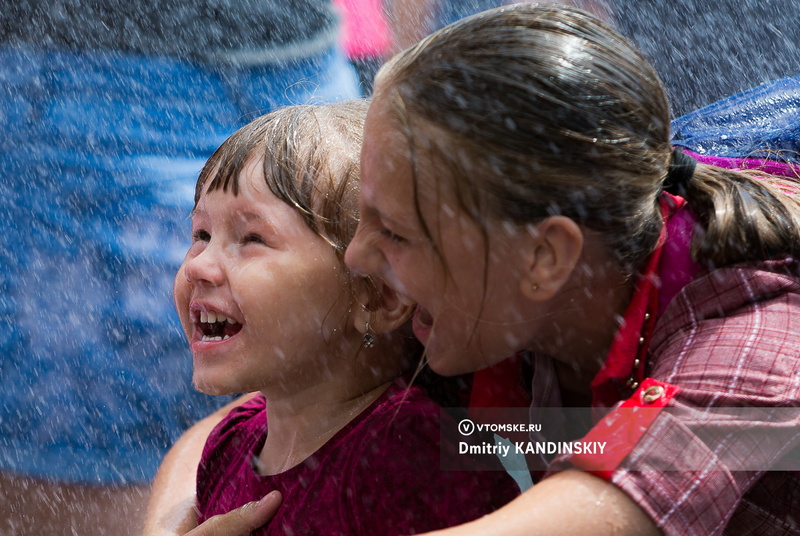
(384, 310)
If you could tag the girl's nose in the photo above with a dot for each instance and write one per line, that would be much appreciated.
(204, 268)
(361, 256)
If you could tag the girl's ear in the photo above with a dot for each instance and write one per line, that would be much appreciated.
(552, 250)
(384, 310)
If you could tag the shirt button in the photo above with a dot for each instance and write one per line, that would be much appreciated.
(652, 394)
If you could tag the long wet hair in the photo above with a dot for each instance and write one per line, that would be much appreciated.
(541, 110)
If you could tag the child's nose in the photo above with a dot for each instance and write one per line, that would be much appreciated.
(205, 268)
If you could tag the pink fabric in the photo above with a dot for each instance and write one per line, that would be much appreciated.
(380, 474)
(676, 267)
(499, 386)
(365, 32)
(762, 164)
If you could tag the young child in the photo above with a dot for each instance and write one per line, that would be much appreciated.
(268, 305)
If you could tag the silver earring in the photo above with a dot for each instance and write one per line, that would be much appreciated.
(369, 339)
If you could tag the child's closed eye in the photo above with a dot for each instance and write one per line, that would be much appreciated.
(201, 235)
(253, 238)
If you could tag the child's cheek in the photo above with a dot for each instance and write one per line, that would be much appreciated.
(180, 293)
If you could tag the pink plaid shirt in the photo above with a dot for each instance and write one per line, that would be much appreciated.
(729, 338)
(692, 340)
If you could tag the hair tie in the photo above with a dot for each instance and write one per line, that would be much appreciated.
(680, 172)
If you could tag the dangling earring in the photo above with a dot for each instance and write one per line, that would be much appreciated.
(369, 339)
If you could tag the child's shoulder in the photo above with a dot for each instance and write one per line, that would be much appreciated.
(244, 426)
(248, 416)
(228, 446)
(405, 419)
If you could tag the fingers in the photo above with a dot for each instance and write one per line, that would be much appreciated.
(243, 520)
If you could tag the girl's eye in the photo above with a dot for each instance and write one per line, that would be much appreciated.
(253, 239)
(201, 236)
(392, 236)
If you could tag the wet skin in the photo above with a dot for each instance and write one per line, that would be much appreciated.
(550, 286)
(484, 274)
(254, 261)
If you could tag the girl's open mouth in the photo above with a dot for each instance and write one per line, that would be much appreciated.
(216, 327)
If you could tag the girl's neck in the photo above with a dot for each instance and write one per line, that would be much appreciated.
(302, 420)
(295, 432)
(591, 309)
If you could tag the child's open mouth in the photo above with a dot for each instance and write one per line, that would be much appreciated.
(217, 327)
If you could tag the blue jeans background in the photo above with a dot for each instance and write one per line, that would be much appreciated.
(99, 154)
(761, 122)
(449, 11)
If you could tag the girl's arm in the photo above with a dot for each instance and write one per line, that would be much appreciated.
(171, 509)
(568, 503)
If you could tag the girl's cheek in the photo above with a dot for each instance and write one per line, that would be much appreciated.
(181, 292)
(405, 266)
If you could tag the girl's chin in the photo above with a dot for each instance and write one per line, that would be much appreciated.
(208, 389)
(445, 365)
(214, 386)
(455, 359)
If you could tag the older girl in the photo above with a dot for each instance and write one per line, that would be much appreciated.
(519, 184)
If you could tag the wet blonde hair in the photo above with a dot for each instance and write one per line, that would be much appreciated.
(540, 110)
(311, 161)
(310, 157)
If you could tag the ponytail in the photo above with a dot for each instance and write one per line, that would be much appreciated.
(746, 215)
